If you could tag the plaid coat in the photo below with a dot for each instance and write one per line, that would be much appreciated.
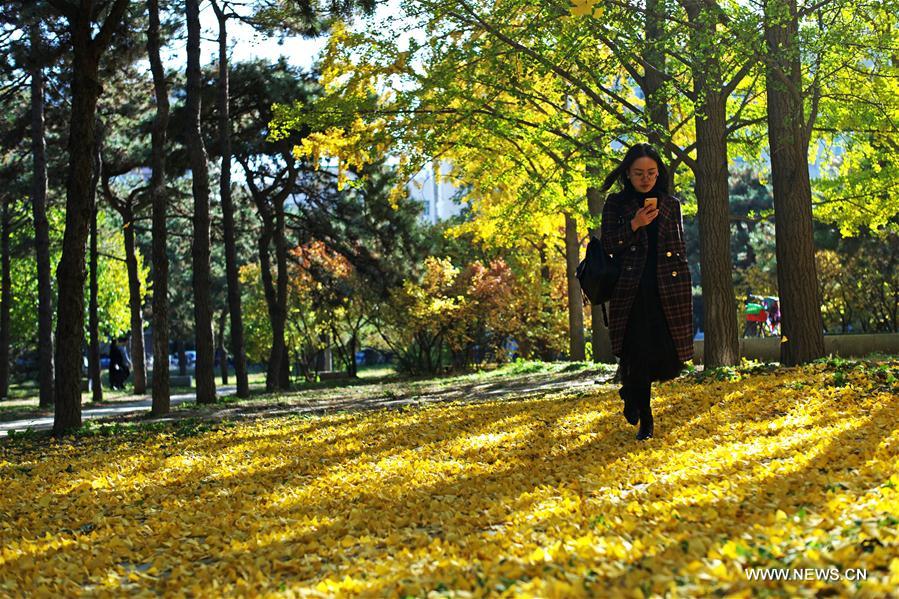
(630, 248)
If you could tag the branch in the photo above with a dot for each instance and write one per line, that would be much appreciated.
(134, 193)
(111, 257)
(65, 8)
(845, 130)
(219, 13)
(563, 73)
(14, 87)
(113, 20)
(113, 200)
(816, 94)
(738, 77)
(739, 124)
(628, 65)
(805, 11)
(747, 98)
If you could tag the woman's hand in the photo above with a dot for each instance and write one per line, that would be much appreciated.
(643, 217)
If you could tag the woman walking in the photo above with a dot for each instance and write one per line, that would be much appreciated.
(651, 313)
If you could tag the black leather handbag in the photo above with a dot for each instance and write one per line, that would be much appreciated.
(598, 274)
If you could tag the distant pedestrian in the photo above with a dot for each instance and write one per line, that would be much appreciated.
(773, 305)
(118, 367)
(651, 313)
(756, 316)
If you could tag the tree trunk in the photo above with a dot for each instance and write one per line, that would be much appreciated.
(800, 297)
(182, 359)
(285, 368)
(275, 358)
(234, 307)
(93, 361)
(85, 90)
(41, 225)
(722, 347)
(575, 299)
(281, 260)
(5, 300)
(602, 344)
(161, 397)
(653, 81)
(138, 359)
(222, 353)
(202, 280)
(544, 262)
(352, 370)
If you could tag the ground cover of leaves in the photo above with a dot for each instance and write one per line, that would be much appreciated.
(547, 496)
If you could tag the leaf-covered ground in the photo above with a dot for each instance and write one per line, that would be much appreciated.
(542, 496)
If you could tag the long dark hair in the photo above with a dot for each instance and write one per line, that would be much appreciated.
(633, 153)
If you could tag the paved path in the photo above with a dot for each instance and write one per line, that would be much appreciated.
(117, 409)
(324, 400)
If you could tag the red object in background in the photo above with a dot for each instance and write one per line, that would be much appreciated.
(760, 316)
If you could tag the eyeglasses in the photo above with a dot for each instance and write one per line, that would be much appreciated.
(649, 175)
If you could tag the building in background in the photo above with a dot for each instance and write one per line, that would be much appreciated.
(437, 197)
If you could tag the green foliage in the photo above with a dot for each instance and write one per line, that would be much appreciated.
(467, 314)
(256, 322)
(522, 366)
(23, 264)
(419, 317)
(860, 284)
(112, 281)
(856, 139)
(876, 375)
(730, 373)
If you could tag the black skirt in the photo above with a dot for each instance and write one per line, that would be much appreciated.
(648, 353)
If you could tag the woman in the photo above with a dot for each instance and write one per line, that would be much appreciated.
(651, 313)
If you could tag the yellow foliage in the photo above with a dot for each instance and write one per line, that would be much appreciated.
(582, 8)
(547, 496)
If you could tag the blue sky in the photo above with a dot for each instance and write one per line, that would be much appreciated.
(245, 44)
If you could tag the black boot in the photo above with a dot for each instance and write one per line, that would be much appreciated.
(631, 411)
(646, 424)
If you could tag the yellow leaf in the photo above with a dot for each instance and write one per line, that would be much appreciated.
(730, 550)
(582, 8)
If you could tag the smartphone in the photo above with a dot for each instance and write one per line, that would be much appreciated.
(654, 202)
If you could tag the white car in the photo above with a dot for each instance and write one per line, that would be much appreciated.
(190, 356)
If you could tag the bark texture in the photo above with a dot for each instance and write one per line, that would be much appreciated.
(576, 350)
(93, 361)
(5, 298)
(797, 281)
(160, 260)
(653, 80)
(200, 247)
(41, 225)
(721, 347)
(602, 345)
(138, 357)
(231, 271)
(70, 274)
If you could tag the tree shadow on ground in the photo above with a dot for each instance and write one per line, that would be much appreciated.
(388, 504)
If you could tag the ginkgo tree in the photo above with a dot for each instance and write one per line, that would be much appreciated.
(690, 76)
(519, 134)
(515, 154)
(855, 137)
